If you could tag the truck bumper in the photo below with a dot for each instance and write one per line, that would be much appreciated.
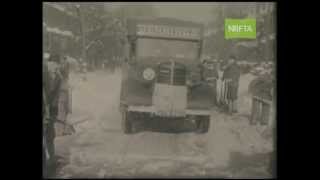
(151, 109)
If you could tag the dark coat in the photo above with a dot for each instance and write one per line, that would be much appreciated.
(262, 87)
(65, 70)
(52, 84)
(232, 72)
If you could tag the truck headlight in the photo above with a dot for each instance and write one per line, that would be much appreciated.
(149, 74)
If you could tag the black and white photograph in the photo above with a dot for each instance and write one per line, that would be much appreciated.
(159, 90)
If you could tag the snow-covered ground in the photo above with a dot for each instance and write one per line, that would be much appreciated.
(100, 149)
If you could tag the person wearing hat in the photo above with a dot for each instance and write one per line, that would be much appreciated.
(231, 76)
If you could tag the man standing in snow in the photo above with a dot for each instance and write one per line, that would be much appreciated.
(46, 119)
(51, 83)
(64, 92)
(232, 76)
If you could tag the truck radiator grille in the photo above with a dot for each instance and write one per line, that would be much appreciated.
(179, 77)
(172, 73)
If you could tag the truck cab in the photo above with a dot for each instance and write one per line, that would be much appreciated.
(161, 81)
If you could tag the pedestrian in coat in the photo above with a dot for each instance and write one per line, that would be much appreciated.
(51, 85)
(232, 76)
(64, 92)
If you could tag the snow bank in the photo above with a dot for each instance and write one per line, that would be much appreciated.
(61, 8)
(57, 6)
(59, 31)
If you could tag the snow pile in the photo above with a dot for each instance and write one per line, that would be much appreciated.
(61, 8)
(60, 32)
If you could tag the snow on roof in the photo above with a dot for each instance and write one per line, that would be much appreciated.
(57, 6)
(60, 32)
(60, 8)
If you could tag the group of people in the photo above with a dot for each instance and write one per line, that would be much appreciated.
(112, 63)
(56, 105)
(224, 79)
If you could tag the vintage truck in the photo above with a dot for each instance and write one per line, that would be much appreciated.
(161, 79)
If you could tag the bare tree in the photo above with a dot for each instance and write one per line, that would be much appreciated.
(82, 30)
(93, 21)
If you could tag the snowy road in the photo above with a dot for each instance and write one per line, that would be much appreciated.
(100, 149)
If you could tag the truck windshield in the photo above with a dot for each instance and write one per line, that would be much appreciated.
(167, 48)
